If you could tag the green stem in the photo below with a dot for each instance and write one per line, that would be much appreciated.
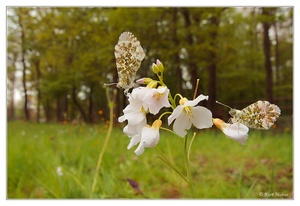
(161, 78)
(177, 95)
(164, 159)
(173, 104)
(188, 152)
(161, 82)
(187, 165)
(108, 134)
(166, 129)
(164, 114)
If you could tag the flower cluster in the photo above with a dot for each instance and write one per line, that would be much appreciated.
(144, 100)
(155, 96)
(150, 100)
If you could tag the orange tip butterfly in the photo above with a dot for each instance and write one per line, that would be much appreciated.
(259, 115)
(129, 54)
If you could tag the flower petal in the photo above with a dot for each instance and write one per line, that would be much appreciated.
(181, 124)
(134, 140)
(156, 99)
(202, 117)
(140, 149)
(133, 117)
(177, 111)
(149, 138)
(237, 132)
(132, 130)
(196, 101)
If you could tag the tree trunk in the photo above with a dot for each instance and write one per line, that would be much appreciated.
(39, 95)
(212, 67)
(267, 54)
(11, 75)
(191, 57)
(11, 115)
(59, 112)
(26, 101)
(38, 107)
(91, 116)
(277, 63)
(48, 110)
(212, 82)
(176, 53)
(78, 105)
(197, 19)
(65, 107)
(62, 108)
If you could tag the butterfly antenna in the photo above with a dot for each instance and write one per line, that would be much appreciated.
(109, 84)
(223, 104)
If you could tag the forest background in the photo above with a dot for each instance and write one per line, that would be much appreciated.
(58, 58)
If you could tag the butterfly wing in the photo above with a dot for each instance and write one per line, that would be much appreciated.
(259, 115)
(129, 55)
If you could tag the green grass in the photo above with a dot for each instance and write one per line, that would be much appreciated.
(221, 168)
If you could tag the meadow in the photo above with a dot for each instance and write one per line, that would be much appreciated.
(58, 161)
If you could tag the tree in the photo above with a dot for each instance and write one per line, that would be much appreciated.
(214, 21)
(67, 54)
(267, 12)
(13, 51)
(190, 48)
(22, 16)
(11, 70)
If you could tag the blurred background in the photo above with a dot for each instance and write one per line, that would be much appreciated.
(59, 58)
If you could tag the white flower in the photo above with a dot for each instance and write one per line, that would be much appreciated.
(143, 100)
(132, 115)
(156, 99)
(149, 99)
(134, 112)
(135, 115)
(149, 137)
(236, 131)
(137, 95)
(187, 113)
(134, 132)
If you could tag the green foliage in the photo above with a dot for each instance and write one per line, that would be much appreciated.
(221, 168)
(73, 49)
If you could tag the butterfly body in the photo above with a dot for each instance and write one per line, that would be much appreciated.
(259, 115)
(129, 55)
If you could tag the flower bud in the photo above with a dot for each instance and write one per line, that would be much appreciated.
(155, 68)
(157, 124)
(218, 122)
(160, 66)
(152, 84)
(145, 80)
